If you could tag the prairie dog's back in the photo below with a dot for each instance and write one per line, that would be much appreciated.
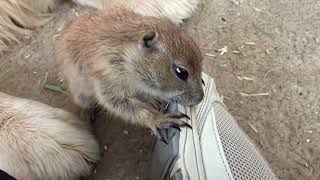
(42, 142)
(98, 33)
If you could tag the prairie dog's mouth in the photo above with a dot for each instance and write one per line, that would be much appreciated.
(170, 107)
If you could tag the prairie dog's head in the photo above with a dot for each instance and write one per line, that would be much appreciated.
(146, 54)
(168, 63)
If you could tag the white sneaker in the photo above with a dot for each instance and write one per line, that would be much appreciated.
(214, 149)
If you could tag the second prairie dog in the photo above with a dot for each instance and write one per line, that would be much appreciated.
(175, 10)
(41, 142)
(29, 14)
(126, 61)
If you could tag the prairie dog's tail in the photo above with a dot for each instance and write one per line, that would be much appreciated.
(175, 10)
(41, 142)
(18, 17)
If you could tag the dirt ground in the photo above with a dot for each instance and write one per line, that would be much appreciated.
(272, 48)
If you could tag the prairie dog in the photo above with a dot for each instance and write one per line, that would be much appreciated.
(127, 62)
(41, 142)
(175, 10)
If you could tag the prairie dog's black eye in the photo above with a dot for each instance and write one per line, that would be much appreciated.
(181, 73)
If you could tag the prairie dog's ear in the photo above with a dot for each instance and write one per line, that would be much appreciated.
(149, 39)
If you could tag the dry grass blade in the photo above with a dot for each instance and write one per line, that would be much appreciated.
(250, 43)
(210, 55)
(241, 78)
(45, 80)
(253, 128)
(261, 142)
(257, 9)
(253, 95)
(267, 73)
(224, 97)
(53, 87)
(54, 37)
(235, 52)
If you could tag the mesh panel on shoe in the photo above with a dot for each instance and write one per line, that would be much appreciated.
(245, 162)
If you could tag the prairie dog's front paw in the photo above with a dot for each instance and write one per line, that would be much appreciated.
(157, 104)
(170, 120)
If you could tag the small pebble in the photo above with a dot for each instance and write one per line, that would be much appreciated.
(223, 50)
(235, 51)
(268, 52)
(236, 2)
(60, 28)
(105, 147)
(308, 140)
(76, 13)
(137, 177)
(125, 132)
(27, 56)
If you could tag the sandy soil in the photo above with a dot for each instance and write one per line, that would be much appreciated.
(273, 46)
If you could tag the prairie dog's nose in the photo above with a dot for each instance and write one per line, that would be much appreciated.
(199, 96)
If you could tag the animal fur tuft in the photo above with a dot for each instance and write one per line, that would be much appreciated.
(42, 142)
(175, 10)
(19, 17)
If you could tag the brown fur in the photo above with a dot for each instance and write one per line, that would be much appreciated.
(175, 10)
(19, 18)
(103, 57)
(42, 142)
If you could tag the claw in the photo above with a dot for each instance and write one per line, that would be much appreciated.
(185, 125)
(185, 116)
(90, 114)
(178, 125)
(93, 118)
(93, 111)
(188, 125)
(175, 126)
(180, 116)
(160, 136)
